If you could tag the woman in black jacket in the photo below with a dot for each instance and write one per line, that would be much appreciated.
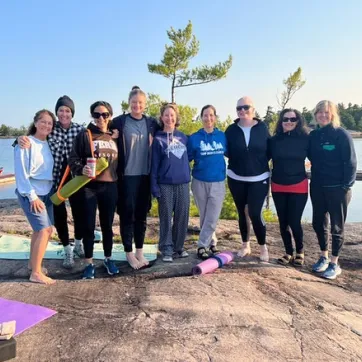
(288, 149)
(248, 172)
(333, 159)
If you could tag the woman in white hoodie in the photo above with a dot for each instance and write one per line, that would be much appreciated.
(34, 179)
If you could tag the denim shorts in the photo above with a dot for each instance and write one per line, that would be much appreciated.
(38, 221)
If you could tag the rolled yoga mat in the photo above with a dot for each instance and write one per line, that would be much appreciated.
(225, 257)
(77, 182)
(211, 264)
(207, 266)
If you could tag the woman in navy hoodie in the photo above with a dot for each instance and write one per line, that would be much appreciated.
(170, 177)
(289, 148)
(333, 159)
(248, 172)
(206, 148)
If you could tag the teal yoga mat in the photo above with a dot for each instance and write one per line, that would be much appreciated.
(18, 248)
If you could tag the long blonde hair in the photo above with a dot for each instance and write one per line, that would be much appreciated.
(332, 108)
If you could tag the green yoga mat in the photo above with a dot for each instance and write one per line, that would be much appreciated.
(18, 248)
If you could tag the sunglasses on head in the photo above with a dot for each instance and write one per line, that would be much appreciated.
(245, 108)
(291, 119)
(98, 115)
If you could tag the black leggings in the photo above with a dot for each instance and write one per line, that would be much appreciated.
(333, 201)
(133, 207)
(252, 194)
(61, 217)
(103, 195)
(290, 207)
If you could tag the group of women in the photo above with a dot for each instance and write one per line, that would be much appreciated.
(152, 157)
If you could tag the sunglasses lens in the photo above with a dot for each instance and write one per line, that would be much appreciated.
(292, 119)
(97, 115)
(245, 108)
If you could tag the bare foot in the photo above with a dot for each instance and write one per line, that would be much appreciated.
(133, 261)
(140, 257)
(40, 278)
(245, 250)
(264, 255)
(43, 270)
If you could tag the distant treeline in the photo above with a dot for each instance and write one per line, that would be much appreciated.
(351, 118)
(7, 131)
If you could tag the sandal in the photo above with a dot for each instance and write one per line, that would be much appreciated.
(214, 250)
(298, 260)
(285, 259)
(202, 254)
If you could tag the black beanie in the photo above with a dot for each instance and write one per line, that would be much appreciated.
(65, 101)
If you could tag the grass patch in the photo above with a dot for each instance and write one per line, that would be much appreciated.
(149, 241)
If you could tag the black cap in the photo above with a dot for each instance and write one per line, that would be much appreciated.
(67, 102)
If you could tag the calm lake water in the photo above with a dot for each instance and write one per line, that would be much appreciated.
(354, 210)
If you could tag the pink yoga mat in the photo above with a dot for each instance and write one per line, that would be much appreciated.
(205, 267)
(211, 264)
(25, 315)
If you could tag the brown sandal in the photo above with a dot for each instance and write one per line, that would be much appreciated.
(285, 259)
(298, 260)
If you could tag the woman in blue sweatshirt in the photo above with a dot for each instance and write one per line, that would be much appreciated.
(333, 158)
(206, 148)
(170, 177)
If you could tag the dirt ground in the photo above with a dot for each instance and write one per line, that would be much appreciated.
(247, 311)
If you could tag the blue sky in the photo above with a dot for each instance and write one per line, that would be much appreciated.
(97, 50)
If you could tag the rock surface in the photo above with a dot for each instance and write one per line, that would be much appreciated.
(247, 311)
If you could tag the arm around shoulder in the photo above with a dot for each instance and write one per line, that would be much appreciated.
(78, 153)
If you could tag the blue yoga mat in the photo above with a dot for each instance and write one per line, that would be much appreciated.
(18, 248)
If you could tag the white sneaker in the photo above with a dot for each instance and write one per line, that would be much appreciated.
(79, 250)
(68, 257)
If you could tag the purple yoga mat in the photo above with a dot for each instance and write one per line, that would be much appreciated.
(226, 257)
(25, 315)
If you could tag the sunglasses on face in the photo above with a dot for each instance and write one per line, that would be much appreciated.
(97, 115)
(241, 108)
(291, 119)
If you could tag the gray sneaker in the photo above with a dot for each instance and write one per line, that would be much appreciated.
(180, 254)
(79, 250)
(68, 257)
(167, 259)
(183, 254)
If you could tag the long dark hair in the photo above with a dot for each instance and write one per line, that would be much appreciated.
(38, 115)
(301, 127)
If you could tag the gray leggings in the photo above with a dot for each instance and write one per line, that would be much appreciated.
(209, 197)
(174, 201)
